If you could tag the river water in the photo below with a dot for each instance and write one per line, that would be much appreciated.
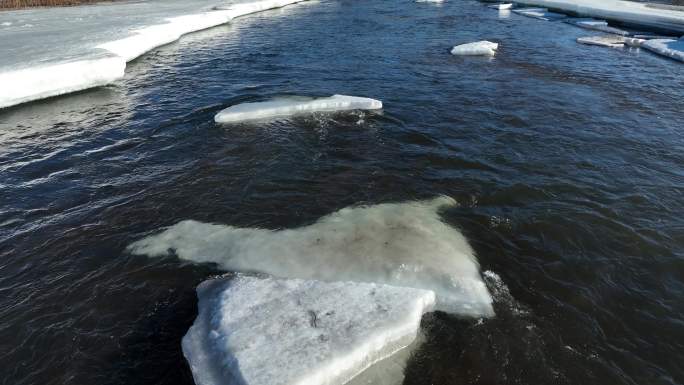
(567, 162)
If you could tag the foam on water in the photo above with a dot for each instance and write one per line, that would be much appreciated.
(265, 331)
(478, 48)
(403, 244)
(283, 107)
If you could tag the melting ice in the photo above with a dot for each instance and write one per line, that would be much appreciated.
(402, 244)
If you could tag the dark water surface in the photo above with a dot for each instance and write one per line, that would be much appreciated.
(567, 160)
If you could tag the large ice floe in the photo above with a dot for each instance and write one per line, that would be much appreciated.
(49, 52)
(288, 106)
(478, 48)
(629, 12)
(402, 244)
(266, 331)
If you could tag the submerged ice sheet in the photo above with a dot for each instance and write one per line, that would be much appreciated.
(282, 107)
(266, 331)
(597, 25)
(478, 48)
(630, 12)
(402, 244)
(48, 52)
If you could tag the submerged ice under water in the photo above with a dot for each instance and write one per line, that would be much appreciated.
(405, 244)
(566, 161)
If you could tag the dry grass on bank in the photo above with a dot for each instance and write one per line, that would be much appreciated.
(15, 4)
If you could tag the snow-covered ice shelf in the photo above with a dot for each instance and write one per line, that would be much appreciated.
(289, 106)
(266, 331)
(48, 52)
(629, 12)
(402, 244)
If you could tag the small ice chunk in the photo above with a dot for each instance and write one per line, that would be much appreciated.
(667, 47)
(267, 331)
(502, 6)
(634, 42)
(283, 107)
(598, 25)
(603, 41)
(478, 48)
(539, 13)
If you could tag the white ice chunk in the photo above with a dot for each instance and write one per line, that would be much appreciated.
(477, 48)
(629, 12)
(603, 41)
(539, 13)
(667, 47)
(267, 331)
(45, 81)
(403, 244)
(283, 107)
(502, 6)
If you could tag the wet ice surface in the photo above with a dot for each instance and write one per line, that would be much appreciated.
(265, 331)
(289, 106)
(402, 244)
(478, 48)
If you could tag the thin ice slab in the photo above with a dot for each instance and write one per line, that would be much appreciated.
(283, 107)
(603, 41)
(539, 13)
(597, 25)
(671, 48)
(267, 331)
(478, 48)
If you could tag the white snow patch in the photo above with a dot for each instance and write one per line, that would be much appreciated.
(285, 332)
(283, 107)
(624, 11)
(478, 48)
(667, 47)
(403, 244)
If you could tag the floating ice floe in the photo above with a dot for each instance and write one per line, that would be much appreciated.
(629, 12)
(402, 244)
(288, 106)
(667, 47)
(539, 13)
(502, 6)
(603, 41)
(266, 331)
(68, 65)
(478, 48)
